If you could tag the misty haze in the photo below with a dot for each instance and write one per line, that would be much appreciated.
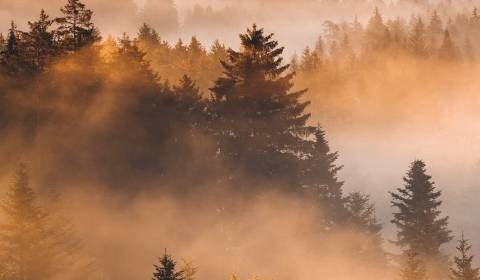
(239, 140)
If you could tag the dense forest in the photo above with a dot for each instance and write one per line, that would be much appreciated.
(222, 150)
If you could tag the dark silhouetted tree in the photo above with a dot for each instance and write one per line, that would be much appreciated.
(418, 217)
(76, 28)
(259, 123)
(13, 58)
(320, 178)
(166, 270)
(463, 269)
(148, 36)
(39, 41)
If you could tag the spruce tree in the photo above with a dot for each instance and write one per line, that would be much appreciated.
(27, 251)
(40, 42)
(320, 179)
(76, 28)
(365, 225)
(13, 59)
(418, 217)
(464, 269)
(166, 269)
(376, 38)
(417, 40)
(148, 36)
(258, 122)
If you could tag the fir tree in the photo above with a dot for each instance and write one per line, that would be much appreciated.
(420, 227)
(310, 61)
(76, 28)
(320, 179)
(417, 43)
(362, 213)
(256, 91)
(27, 250)
(362, 220)
(464, 269)
(40, 42)
(148, 36)
(375, 33)
(13, 59)
(166, 270)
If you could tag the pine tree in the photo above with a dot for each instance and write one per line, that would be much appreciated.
(375, 33)
(27, 251)
(417, 44)
(189, 102)
(13, 59)
(463, 269)
(39, 42)
(148, 36)
(420, 227)
(256, 91)
(365, 225)
(413, 268)
(76, 29)
(310, 61)
(362, 213)
(166, 270)
(320, 179)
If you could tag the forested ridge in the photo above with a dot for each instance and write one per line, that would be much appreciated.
(223, 133)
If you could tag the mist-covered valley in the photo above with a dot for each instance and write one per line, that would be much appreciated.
(242, 140)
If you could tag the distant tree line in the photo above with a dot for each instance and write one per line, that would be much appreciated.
(252, 134)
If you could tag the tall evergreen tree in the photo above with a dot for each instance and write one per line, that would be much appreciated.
(166, 269)
(259, 123)
(39, 42)
(320, 179)
(76, 28)
(418, 217)
(464, 269)
(417, 40)
(365, 225)
(26, 249)
(13, 58)
(148, 36)
(376, 33)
